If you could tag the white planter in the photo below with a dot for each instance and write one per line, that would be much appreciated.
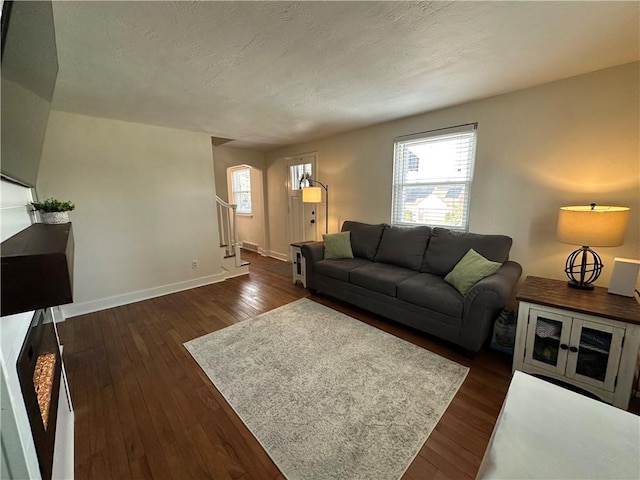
(55, 217)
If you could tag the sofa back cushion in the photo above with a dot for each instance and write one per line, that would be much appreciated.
(447, 247)
(365, 238)
(404, 246)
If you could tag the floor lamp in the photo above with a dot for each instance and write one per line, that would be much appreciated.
(312, 194)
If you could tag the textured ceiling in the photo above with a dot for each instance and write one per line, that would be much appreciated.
(273, 73)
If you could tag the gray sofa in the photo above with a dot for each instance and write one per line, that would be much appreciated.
(398, 272)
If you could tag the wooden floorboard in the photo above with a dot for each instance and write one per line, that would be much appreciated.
(144, 409)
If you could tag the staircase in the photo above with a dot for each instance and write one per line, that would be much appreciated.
(232, 263)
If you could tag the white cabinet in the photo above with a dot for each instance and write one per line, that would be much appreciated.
(298, 263)
(594, 353)
(575, 348)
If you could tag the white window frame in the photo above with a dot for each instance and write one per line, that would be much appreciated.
(236, 192)
(405, 161)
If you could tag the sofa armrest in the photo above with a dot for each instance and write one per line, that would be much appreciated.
(499, 286)
(484, 302)
(312, 253)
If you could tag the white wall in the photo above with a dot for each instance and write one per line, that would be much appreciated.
(145, 207)
(574, 141)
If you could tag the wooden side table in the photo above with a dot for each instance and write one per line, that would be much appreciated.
(586, 338)
(298, 263)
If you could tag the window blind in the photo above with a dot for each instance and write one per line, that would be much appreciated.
(432, 175)
(241, 188)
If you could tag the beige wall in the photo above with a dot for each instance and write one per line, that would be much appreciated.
(251, 228)
(225, 157)
(573, 141)
(277, 226)
(145, 208)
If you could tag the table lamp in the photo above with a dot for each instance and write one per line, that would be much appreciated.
(589, 225)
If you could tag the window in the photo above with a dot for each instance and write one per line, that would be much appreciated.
(297, 172)
(241, 189)
(432, 173)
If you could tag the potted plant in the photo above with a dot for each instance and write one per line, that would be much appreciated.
(54, 211)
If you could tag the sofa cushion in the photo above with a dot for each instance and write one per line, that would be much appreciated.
(339, 269)
(404, 246)
(430, 291)
(472, 268)
(365, 238)
(337, 245)
(380, 277)
(447, 247)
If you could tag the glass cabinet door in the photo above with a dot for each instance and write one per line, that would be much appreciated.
(594, 353)
(547, 340)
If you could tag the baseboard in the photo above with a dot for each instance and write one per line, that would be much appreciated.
(75, 309)
(57, 314)
(277, 255)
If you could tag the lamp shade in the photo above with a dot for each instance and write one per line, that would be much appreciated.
(592, 225)
(312, 195)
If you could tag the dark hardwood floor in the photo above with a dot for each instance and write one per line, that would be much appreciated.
(144, 409)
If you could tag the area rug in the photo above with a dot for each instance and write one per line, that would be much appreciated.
(327, 396)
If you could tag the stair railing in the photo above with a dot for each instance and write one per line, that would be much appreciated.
(228, 230)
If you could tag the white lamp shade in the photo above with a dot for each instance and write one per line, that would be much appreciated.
(600, 226)
(312, 195)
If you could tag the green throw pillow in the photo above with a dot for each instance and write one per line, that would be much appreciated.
(471, 268)
(337, 245)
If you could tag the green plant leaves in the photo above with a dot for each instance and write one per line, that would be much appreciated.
(53, 205)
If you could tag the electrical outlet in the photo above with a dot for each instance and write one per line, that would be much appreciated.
(194, 264)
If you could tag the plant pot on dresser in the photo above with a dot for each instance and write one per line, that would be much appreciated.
(55, 217)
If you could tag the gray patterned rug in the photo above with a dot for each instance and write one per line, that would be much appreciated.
(327, 396)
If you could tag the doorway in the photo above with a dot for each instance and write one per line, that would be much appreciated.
(245, 189)
(302, 218)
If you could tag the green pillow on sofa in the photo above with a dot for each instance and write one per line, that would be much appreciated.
(337, 245)
(471, 268)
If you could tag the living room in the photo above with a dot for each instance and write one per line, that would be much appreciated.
(565, 142)
(145, 191)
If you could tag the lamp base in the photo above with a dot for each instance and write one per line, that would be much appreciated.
(583, 286)
(583, 267)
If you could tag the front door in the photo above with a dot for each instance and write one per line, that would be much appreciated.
(302, 216)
